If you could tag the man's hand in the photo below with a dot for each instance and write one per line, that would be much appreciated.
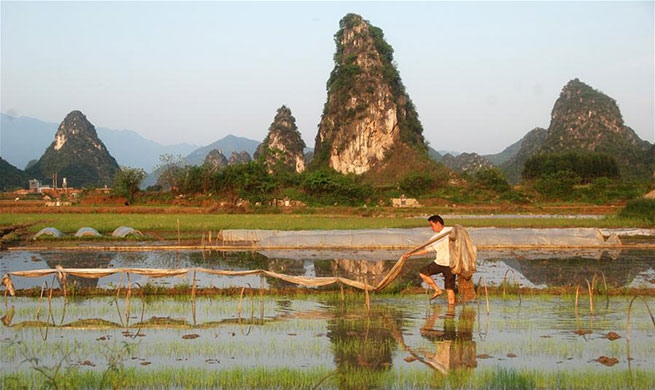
(405, 256)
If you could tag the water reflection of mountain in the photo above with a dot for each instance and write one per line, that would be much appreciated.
(558, 271)
(79, 260)
(362, 344)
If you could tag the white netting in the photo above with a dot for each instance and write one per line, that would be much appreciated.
(405, 238)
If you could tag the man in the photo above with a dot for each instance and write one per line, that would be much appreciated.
(441, 263)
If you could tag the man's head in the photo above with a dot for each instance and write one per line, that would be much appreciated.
(436, 223)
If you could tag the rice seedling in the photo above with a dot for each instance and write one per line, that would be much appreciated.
(328, 378)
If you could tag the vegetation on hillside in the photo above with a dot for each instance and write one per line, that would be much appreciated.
(11, 177)
(586, 166)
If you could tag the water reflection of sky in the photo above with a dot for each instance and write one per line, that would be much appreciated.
(632, 268)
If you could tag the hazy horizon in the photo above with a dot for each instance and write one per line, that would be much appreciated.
(480, 74)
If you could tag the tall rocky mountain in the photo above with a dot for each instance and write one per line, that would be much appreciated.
(216, 159)
(239, 158)
(23, 139)
(465, 162)
(283, 143)
(11, 177)
(368, 121)
(585, 119)
(76, 154)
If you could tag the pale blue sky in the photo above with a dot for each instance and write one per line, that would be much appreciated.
(480, 74)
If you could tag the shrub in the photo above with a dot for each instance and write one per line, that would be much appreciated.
(557, 185)
(639, 208)
(493, 179)
(416, 183)
(327, 186)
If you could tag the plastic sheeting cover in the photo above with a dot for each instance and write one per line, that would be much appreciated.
(123, 231)
(48, 231)
(87, 231)
(489, 236)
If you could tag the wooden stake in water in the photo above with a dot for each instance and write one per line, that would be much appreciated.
(368, 302)
(577, 294)
(193, 298)
(127, 300)
(261, 285)
(178, 232)
(591, 297)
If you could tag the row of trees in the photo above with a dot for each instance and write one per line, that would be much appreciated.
(586, 166)
(567, 176)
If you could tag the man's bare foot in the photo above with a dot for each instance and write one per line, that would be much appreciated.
(436, 294)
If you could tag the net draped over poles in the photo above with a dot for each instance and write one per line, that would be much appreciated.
(462, 250)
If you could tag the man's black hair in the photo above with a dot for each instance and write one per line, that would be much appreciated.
(436, 218)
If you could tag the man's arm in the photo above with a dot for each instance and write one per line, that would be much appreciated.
(417, 253)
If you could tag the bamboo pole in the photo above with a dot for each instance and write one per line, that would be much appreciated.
(144, 248)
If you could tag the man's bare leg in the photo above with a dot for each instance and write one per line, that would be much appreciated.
(451, 296)
(430, 282)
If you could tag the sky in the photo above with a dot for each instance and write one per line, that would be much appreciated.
(481, 74)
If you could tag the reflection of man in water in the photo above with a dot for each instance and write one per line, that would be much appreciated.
(441, 263)
(454, 344)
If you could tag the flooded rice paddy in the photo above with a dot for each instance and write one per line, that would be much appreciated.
(634, 268)
(323, 341)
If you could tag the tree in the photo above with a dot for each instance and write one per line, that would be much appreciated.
(127, 182)
(169, 171)
(492, 178)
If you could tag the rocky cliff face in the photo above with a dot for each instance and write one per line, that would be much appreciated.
(239, 158)
(216, 159)
(367, 113)
(587, 119)
(584, 119)
(465, 162)
(77, 154)
(283, 143)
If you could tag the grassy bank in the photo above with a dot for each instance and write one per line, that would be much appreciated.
(106, 223)
(292, 378)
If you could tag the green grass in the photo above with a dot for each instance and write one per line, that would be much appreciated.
(291, 378)
(106, 223)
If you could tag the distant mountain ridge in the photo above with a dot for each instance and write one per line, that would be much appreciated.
(23, 139)
(465, 162)
(227, 145)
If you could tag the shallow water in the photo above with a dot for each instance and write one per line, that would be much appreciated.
(322, 332)
(530, 268)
